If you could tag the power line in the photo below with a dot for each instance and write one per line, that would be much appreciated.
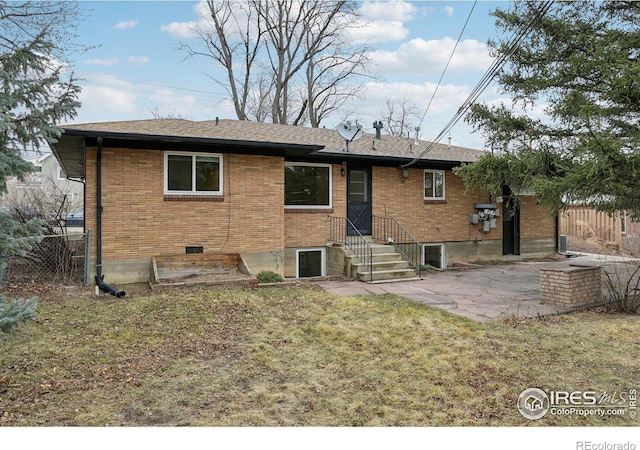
(447, 65)
(497, 65)
(183, 89)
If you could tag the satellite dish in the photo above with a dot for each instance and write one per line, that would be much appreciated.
(349, 133)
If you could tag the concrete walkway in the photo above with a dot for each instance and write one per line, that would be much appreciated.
(481, 294)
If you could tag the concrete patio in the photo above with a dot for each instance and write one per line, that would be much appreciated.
(482, 294)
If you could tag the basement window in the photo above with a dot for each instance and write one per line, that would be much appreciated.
(194, 250)
(433, 255)
(310, 263)
(193, 173)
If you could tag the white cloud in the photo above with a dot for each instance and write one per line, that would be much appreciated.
(170, 102)
(125, 24)
(102, 62)
(421, 57)
(112, 98)
(379, 22)
(138, 60)
(382, 22)
(448, 98)
(448, 10)
(187, 30)
(182, 30)
(107, 97)
(393, 11)
(378, 31)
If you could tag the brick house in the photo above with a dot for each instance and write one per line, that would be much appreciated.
(274, 194)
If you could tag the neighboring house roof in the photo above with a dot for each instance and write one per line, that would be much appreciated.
(250, 137)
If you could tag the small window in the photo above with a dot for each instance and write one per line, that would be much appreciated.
(310, 263)
(433, 255)
(623, 222)
(194, 250)
(358, 185)
(434, 185)
(197, 173)
(61, 174)
(307, 185)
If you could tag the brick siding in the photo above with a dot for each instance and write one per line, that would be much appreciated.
(137, 222)
(140, 221)
(535, 220)
(428, 221)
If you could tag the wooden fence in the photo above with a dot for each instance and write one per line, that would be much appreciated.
(588, 223)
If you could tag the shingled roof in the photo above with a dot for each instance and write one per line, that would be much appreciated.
(318, 142)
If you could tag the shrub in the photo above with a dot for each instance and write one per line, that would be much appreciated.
(15, 311)
(622, 287)
(267, 276)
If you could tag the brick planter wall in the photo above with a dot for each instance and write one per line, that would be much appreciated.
(571, 287)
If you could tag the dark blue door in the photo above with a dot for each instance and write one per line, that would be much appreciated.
(359, 209)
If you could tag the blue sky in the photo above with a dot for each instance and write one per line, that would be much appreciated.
(135, 66)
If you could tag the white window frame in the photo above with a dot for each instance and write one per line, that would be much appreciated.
(193, 171)
(314, 249)
(330, 167)
(59, 171)
(443, 253)
(444, 184)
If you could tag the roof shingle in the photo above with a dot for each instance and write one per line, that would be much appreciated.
(387, 146)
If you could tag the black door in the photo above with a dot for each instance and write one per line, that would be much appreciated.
(359, 208)
(510, 228)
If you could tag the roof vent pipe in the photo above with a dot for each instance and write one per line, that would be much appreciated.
(378, 126)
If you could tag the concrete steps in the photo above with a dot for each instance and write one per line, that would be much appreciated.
(388, 266)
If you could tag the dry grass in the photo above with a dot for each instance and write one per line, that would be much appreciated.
(298, 357)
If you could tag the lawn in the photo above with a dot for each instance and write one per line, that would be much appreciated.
(298, 356)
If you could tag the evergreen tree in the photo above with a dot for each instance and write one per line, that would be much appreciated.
(571, 130)
(36, 93)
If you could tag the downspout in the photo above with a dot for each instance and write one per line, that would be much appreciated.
(99, 276)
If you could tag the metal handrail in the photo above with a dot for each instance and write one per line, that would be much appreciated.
(389, 230)
(345, 232)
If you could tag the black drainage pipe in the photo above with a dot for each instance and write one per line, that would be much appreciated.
(99, 276)
(108, 288)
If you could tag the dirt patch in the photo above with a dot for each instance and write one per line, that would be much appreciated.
(594, 245)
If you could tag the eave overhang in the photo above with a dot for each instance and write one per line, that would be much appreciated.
(71, 146)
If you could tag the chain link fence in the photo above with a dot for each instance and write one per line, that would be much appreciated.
(57, 259)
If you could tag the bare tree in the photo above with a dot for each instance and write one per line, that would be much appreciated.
(326, 75)
(260, 99)
(232, 39)
(399, 117)
(292, 57)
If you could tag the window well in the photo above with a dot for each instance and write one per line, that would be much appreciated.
(433, 255)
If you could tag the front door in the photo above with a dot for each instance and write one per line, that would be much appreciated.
(359, 208)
